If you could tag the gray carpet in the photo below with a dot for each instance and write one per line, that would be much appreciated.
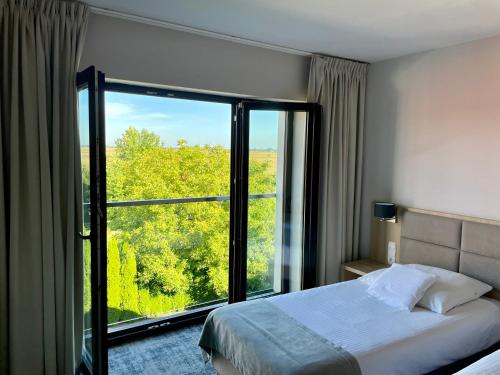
(175, 352)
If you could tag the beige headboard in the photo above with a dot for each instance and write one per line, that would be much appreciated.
(465, 246)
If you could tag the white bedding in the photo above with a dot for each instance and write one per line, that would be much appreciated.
(386, 340)
(489, 365)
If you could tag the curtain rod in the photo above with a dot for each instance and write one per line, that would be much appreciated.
(206, 33)
(342, 58)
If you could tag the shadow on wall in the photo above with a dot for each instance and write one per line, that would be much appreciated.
(381, 117)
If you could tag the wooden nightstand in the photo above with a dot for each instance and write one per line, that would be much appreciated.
(353, 270)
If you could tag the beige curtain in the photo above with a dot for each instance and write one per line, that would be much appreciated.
(339, 86)
(40, 257)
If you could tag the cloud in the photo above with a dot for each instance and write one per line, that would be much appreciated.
(151, 116)
(123, 111)
(116, 110)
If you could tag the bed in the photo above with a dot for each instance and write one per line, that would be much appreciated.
(341, 329)
(488, 365)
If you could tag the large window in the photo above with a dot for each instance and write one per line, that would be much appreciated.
(209, 200)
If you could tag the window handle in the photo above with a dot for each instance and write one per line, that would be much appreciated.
(83, 237)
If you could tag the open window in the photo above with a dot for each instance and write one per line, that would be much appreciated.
(93, 228)
(277, 234)
(191, 201)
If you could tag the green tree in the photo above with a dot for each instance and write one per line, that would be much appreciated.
(134, 141)
(87, 298)
(172, 256)
(114, 281)
(129, 290)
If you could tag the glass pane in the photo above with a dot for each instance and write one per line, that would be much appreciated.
(169, 256)
(166, 259)
(264, 213)
(166, 148)
(84, 125)
(275, 209)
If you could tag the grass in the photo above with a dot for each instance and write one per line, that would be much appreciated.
(269, 156)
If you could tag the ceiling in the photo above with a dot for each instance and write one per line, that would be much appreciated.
(368, 30)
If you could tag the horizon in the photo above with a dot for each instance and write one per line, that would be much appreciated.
(175, 147)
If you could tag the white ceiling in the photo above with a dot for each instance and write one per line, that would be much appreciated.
(368, 30)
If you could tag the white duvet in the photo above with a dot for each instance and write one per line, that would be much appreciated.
(386, 340)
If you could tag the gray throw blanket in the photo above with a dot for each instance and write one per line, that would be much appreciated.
(259, 338)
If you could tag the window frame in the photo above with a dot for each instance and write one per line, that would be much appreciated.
(311, 175)
(96, 362)
(238, 200)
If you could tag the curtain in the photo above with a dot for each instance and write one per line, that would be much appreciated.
(41, 282)
(339, 86)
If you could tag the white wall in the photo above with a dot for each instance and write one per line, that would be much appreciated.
(433, 132)
(138, 52)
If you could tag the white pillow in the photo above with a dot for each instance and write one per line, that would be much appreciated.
(370, 277)
(450, 289)
(401, 286)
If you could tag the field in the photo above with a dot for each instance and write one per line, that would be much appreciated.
(262, 156)
(257, 155)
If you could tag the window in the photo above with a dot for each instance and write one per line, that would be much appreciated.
(168, 168)
(276, 142)
(83, 106)
(210, 200)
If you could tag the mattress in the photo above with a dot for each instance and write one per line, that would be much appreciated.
(385, 340)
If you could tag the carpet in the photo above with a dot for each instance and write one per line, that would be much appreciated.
(175, 352)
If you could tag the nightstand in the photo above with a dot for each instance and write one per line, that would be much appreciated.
(353, 270)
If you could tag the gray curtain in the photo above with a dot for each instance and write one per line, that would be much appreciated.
(41, 283)
(339, 86)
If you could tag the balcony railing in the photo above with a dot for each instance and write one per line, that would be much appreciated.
(152, 202)
(167, 201)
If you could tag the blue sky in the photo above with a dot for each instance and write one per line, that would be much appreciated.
(174, 119)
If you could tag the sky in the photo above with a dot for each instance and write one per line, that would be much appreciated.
(173, 119)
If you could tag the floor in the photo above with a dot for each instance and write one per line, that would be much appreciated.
(175, 352)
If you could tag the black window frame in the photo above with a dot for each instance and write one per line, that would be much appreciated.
(238, 200)
(311, 175)
(97, 361)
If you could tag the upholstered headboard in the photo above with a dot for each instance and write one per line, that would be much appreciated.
(465, 246)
